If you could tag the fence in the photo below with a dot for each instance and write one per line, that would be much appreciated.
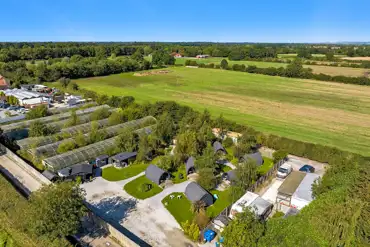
(265, 177)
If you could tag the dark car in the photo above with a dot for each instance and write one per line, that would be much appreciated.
(307, 168)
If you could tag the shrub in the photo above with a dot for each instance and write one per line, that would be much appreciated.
(37, 112)
(191, 230)
(279, 155)
(145, 187)
(228, 142)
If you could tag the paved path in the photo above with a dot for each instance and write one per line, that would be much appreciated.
(229, 164)
(24, 178)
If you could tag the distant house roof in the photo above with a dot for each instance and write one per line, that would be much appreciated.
(256, 157)
(49, 175)
(3, 82)
(155, 174)
(218, 147)
(291, 183)
(194, 192)
(124, 156)
(83, 168)
(231, 134)
(189, 164)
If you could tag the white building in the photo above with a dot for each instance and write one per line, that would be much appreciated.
(28, 99)
(303, 194)
(254, 202)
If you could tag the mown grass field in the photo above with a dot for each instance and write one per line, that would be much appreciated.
(329, 70)
(328, 113)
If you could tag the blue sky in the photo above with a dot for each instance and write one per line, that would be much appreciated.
(201, 20)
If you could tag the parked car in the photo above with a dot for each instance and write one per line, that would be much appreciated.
(284, 171)
(13, 108)
(307, 168)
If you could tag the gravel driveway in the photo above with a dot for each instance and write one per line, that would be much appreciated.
(148, 219)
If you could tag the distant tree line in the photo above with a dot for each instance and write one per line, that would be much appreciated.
(235, 51)
(294, 70)
(19, 72)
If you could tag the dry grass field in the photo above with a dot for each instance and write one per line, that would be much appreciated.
(332, 114)
(329, 70)
(356, 58)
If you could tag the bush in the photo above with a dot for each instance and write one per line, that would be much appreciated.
(145, 187)
(228, 142)
(279, 155)
(37, 112)
(38, 128)
(191, 230)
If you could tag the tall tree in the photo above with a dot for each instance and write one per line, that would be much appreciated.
(57, 210)
(244, 230)
(224, 64)
(186, 146)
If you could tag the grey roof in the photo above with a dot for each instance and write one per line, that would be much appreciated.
(223, 219)
(49, 174)
(257, 157)
(102, 157)
(194, 192)
(189, 164)
(304, 190)
(260, 206)
(155, 174)
(124, 156)
(83, 168)
(231, 175)
(291, 211)
(217, 147)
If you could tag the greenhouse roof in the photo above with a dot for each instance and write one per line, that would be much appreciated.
(89, 152)
(51, 149)
(53, 118)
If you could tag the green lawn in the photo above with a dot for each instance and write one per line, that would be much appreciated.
(134, 188)
(179, 208)
(176, 175)
(220, 204)
(116, 174)
(327, 113)
(266, 166)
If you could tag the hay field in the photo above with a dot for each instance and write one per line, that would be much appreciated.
(321, 112)
(329, 70)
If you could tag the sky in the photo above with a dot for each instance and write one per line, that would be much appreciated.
(201, 20)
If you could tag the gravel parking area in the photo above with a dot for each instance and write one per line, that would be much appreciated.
(148, 219)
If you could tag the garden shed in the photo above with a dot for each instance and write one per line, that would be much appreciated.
(194, 192)
(256, 157)
(218, 148)
(190, 166)
(83, 170)
(123, 159)
(101, 160)
(156, 174)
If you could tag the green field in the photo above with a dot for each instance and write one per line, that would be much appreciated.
(332, 114)
(329, 70)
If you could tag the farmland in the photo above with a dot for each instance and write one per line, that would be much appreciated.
(329, 70)
(314, 111)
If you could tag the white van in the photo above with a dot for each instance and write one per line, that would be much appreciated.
(284, 170)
